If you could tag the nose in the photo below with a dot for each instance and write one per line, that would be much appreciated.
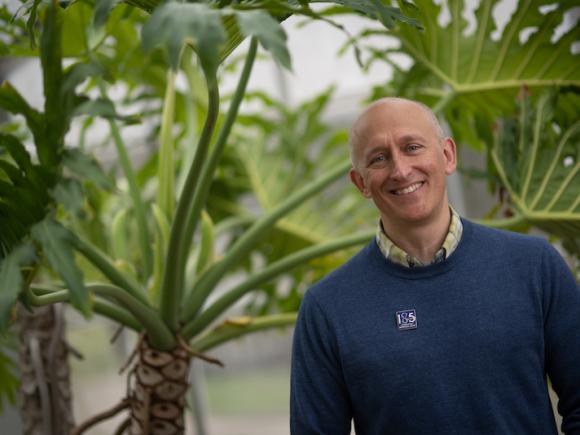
(400, 168)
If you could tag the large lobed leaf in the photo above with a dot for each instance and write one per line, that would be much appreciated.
(173, 24)
(214, 33)
(475, 77)
(476, 62)
(537, 157)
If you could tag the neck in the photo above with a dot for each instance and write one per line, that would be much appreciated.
(421, 240)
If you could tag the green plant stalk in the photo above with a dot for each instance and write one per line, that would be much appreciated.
(208, 280)
(49, 296)
(226, 333)
(194, 86)
(135, 194)
(119, 233)
(173, 277)
(158, 334)
(206, 177)
(161, 239)
(206, 250)
(166, 168)
(506, 223)
(281, 266)
(107, 268)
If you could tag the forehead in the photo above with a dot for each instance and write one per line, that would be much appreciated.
(394, 120)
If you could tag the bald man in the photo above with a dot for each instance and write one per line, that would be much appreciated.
(438, 325)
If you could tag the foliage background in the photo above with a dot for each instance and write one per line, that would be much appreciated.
(351, 88)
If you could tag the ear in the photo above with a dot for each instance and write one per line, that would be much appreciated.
(450, 153)
(358, 180)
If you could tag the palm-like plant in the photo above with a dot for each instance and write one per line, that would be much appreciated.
(172, 314)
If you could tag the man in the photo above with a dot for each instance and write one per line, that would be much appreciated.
(439, 326)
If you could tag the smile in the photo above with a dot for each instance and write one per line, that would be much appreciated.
(409, 189)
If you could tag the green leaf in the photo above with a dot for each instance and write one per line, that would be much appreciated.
(11, 280)
(174, 24)
(375, 9)
(86, 167)
(12, 101)
(104, 108)
(102, 10)
(13, 173)
(78, 73)
(477, 62)
(16, 150)
(31, 22)
(9, 379)
(537, 157)
(268, 31)
(56, 246)
(69, 193)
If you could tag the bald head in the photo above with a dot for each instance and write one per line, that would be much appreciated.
(387, 106)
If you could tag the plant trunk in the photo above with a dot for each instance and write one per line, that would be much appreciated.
(159, 386)
(45, 391)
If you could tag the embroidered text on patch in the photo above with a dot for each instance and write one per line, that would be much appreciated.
(406, 319)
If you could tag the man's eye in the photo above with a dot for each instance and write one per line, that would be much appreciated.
(377, 159)
(413, 147)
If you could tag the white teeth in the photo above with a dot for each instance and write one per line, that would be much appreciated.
(409, 189)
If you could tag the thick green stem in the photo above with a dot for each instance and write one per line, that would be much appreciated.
(134, 192)
(229, 332)
(166, 167)
(173, 278)
(158, 333)
(199, 323)
(107, 268)
(118, 315)
(49, 296)
(213, 275)
(210, 165)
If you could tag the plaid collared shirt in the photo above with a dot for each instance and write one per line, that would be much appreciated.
(395, 254)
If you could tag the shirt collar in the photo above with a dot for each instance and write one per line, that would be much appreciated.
(395, 254)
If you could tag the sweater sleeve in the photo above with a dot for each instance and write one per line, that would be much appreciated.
(561, 296)
(319, 402)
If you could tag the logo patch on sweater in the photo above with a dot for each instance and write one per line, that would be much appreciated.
(406, 319)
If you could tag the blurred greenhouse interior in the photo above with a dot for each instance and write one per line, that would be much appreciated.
(250, 396)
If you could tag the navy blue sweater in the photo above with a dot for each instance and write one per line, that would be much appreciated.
(468, 353)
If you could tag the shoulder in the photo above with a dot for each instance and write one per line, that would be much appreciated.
(515, 251)
(503, 241)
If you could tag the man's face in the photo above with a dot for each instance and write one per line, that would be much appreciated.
(401, 163)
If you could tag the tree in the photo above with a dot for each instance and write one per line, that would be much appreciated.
(172, 317)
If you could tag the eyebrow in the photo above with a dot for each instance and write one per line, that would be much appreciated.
(411, 137)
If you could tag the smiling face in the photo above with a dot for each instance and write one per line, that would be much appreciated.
(401, 161)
